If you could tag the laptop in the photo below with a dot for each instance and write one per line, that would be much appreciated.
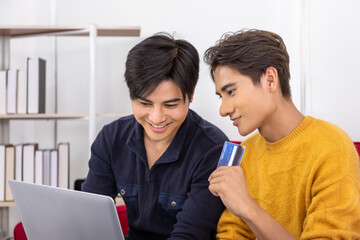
(56, 213)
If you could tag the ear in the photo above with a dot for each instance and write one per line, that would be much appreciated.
(271, 79)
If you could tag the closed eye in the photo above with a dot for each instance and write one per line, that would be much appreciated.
(171, 105)
(145, 103)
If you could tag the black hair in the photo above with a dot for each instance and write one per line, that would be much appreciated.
(159, 58)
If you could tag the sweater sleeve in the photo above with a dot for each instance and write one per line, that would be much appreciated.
(333, 205)
(231, 227)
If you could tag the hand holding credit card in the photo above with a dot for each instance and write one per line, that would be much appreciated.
(231, 154)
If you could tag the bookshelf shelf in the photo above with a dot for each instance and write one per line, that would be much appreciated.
(24, 31)
(8, 32)
(7, 204)
(56, 116)
(43, 116)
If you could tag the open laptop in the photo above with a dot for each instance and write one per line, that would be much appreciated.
(55, 213)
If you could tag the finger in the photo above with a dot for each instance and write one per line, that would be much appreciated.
(211, 189)
(219, 172)
(215, 173)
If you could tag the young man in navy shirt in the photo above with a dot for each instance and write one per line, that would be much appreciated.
(160, 157)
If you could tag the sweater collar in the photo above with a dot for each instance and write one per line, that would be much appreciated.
(286, 141)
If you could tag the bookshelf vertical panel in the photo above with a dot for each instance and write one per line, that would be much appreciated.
(92, 95)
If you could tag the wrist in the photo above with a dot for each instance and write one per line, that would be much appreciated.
(252, 212)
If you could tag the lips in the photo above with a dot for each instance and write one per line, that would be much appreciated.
(158, 128)
(236, 120)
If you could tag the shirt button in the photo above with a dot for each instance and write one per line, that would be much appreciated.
(122, 192)
(173, 204)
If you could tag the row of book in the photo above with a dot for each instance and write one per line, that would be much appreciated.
(26, 162)
(23, 92)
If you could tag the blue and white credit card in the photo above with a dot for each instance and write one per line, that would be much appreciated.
(231, 154)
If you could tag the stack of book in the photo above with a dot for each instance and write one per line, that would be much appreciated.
(26, 162)
(23, 92)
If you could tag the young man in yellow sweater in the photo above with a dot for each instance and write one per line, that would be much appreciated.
(299, 177)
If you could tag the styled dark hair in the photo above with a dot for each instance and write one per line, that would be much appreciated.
(251, 52)
(159, 58)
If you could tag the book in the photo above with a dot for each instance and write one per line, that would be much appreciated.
(11, 91)
(64, 160)
(39, 160)
(54, 167)
(2, 92)
(19, 162)
(22, 92)
(36, 80)
(2, 172)
(9, 170)
(29, 162)
(46, 167)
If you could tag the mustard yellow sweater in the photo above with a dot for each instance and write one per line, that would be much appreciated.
(308, 181)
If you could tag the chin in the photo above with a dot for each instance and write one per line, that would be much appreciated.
(244, 132)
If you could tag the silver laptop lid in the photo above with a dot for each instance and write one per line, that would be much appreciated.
(55, 213)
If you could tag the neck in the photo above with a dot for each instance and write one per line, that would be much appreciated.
(282, 121)
(154, 150)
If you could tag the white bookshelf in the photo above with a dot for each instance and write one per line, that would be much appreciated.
(7, 33)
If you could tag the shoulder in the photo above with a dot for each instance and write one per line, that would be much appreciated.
(324, 149)
(201, 128)
(322, 132)
(119, 128)
(121, 123)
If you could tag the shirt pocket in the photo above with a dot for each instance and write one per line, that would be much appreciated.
(129, 193)
(170, 206)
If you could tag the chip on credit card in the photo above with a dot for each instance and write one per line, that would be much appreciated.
(231, 154)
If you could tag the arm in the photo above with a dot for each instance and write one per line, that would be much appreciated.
(333, 208)
(229, 184)
(100, 178)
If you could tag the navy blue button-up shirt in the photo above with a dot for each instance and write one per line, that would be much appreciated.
(171, 200)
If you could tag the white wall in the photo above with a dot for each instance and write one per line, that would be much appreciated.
(334, 63)
(333, 37)
(332, 56)
(200, 22)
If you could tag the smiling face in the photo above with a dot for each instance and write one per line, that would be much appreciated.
(161, 113)
(248, 105)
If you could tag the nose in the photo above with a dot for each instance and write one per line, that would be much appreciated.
(225, 108)
(157, 115)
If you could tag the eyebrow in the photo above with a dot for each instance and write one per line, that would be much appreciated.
(167, 101)
(223, 89)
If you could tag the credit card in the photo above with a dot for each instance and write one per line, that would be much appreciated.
(231, 154)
